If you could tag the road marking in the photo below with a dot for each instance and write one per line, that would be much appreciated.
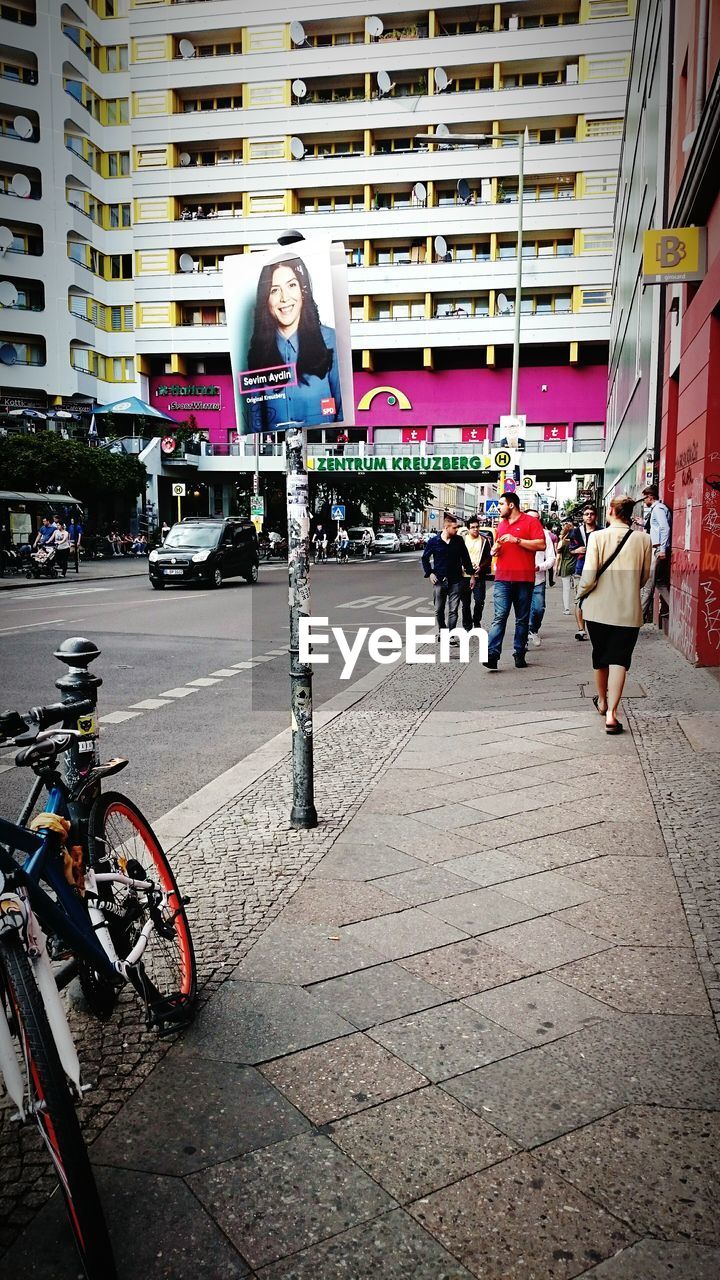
(203, 681)
(150, 704)
(263, 657)
(59, 593)
(49, 622)
(177, 693)
(117, 717)
(243, 666)
(277, 653)
(224, 671)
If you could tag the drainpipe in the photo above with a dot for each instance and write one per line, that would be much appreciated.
(700, 62)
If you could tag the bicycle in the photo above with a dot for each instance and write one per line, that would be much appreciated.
(319, 553)
(341, 553)
(110, 908)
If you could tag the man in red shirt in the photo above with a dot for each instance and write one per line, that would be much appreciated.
(517, 538)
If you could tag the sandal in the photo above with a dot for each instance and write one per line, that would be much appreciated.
(615, 728)
(596, 704)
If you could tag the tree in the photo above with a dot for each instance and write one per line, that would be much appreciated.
(366, 495)
(100, 480)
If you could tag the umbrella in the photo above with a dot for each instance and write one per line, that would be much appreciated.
(61, 413)
(133, 407)
(27, 413)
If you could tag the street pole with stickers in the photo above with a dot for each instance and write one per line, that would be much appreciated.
(303, 813)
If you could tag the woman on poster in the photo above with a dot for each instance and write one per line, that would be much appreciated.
(287, 330)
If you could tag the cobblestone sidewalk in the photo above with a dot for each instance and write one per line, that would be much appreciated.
(461, 1030)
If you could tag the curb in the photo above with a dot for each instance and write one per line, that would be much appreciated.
(179, 822)
(46, 582)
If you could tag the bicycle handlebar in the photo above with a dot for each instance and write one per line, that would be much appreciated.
(13, 725)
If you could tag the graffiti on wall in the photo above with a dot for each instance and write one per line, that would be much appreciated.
(710, 606)
(681, 627)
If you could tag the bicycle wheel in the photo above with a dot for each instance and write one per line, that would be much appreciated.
(49, 1102)
(120, 839)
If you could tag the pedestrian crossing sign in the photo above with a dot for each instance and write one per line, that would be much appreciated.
(492, 508)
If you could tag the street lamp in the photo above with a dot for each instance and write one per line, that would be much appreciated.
(462, 139)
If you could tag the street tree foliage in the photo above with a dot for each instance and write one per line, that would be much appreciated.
(364, 496)
(44, 461)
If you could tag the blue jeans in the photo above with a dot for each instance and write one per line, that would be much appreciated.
(446, 592)
(473, 603)
(537, 607)
(507, 595)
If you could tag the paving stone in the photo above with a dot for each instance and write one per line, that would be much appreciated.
(641, 980)
(539, 1009)
(504, 833)
(491, 867)
(401, 934)
(531, 1098)
(391, 1247)
(340, 1078)
(362, 862)
(549, 891)
(672, 1061)
(647, 919)
(337, 902)
(510, 804)
(656, 1168)
(545, 943)
(447, 817)
(619, 874)
(425, 885)
(304, 953)
(464, 968)
(191, 1113)
(480, 911)
(519, 1220)
(587, 841)
(659, 1260)
(376, 995)
(446, 1041)
(249, 1022)
(282, 1199)
(419, 1143)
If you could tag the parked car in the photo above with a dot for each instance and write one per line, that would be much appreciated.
(407, 541)
(355, 540)
(387, 542)
(205, 550)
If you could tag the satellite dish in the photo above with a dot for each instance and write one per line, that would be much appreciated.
(420, 192)
(8, 354)
(185, 159)
(297, 33)
(23, 127)
(441, 247)
(297, 148)
(21, 185)
(374, 27)
(6, 239)
(187, 49)
(440, 77)
(503, 305)
(384, 82)
(463, 190)
(186, 262)
(299, 88)
(8, 293)
(442, 131)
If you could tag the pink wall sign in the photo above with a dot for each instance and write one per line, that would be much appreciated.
(208, 397)
(471, 397)
(555, 433)
(471, 434)
(413, 435)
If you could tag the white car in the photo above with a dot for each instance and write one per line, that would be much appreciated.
(387, 542)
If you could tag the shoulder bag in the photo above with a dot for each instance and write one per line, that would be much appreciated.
(604, 566)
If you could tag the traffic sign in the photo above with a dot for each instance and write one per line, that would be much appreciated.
(492, 507)
(528, 481)
(337, 512)
(502, 459)
(178, 491)
(168, 444)
(257, 507)
(510, 486)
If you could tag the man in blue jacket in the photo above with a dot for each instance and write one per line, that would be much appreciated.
(446, 562)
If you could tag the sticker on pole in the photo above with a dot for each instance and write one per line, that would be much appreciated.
(178, 491)
(337, 512)
(257, 507)
(502, 459)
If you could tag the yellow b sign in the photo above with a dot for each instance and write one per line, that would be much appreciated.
(676, 255)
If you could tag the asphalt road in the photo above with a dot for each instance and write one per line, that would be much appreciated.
(155, 642)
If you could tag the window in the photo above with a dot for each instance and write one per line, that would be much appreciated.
(400, 309)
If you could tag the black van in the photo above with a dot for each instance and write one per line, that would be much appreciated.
(205, 550)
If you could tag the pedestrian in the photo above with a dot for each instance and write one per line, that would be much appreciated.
(565, 566)
(341, 440)
(578, 544)
(445, 560)
(164, 531)
(517, 539)
(75, 530)
(61, 542)
(551, 570)
(617, 566)
(473, 598)
(45, 532)
(544, 561)
(658, 519)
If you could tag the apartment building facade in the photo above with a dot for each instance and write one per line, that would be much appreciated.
(163, 136)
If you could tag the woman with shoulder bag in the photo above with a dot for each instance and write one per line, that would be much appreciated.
(617, 566)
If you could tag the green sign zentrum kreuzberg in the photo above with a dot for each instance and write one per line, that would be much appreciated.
(437, 462)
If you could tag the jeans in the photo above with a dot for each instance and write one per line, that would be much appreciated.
(567, 593)
(473, 602)
(442, 591)
(537, 607)
(507, 595)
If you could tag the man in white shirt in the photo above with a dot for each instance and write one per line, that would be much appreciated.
(658, 526)
(544, 560)
(473, 597)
